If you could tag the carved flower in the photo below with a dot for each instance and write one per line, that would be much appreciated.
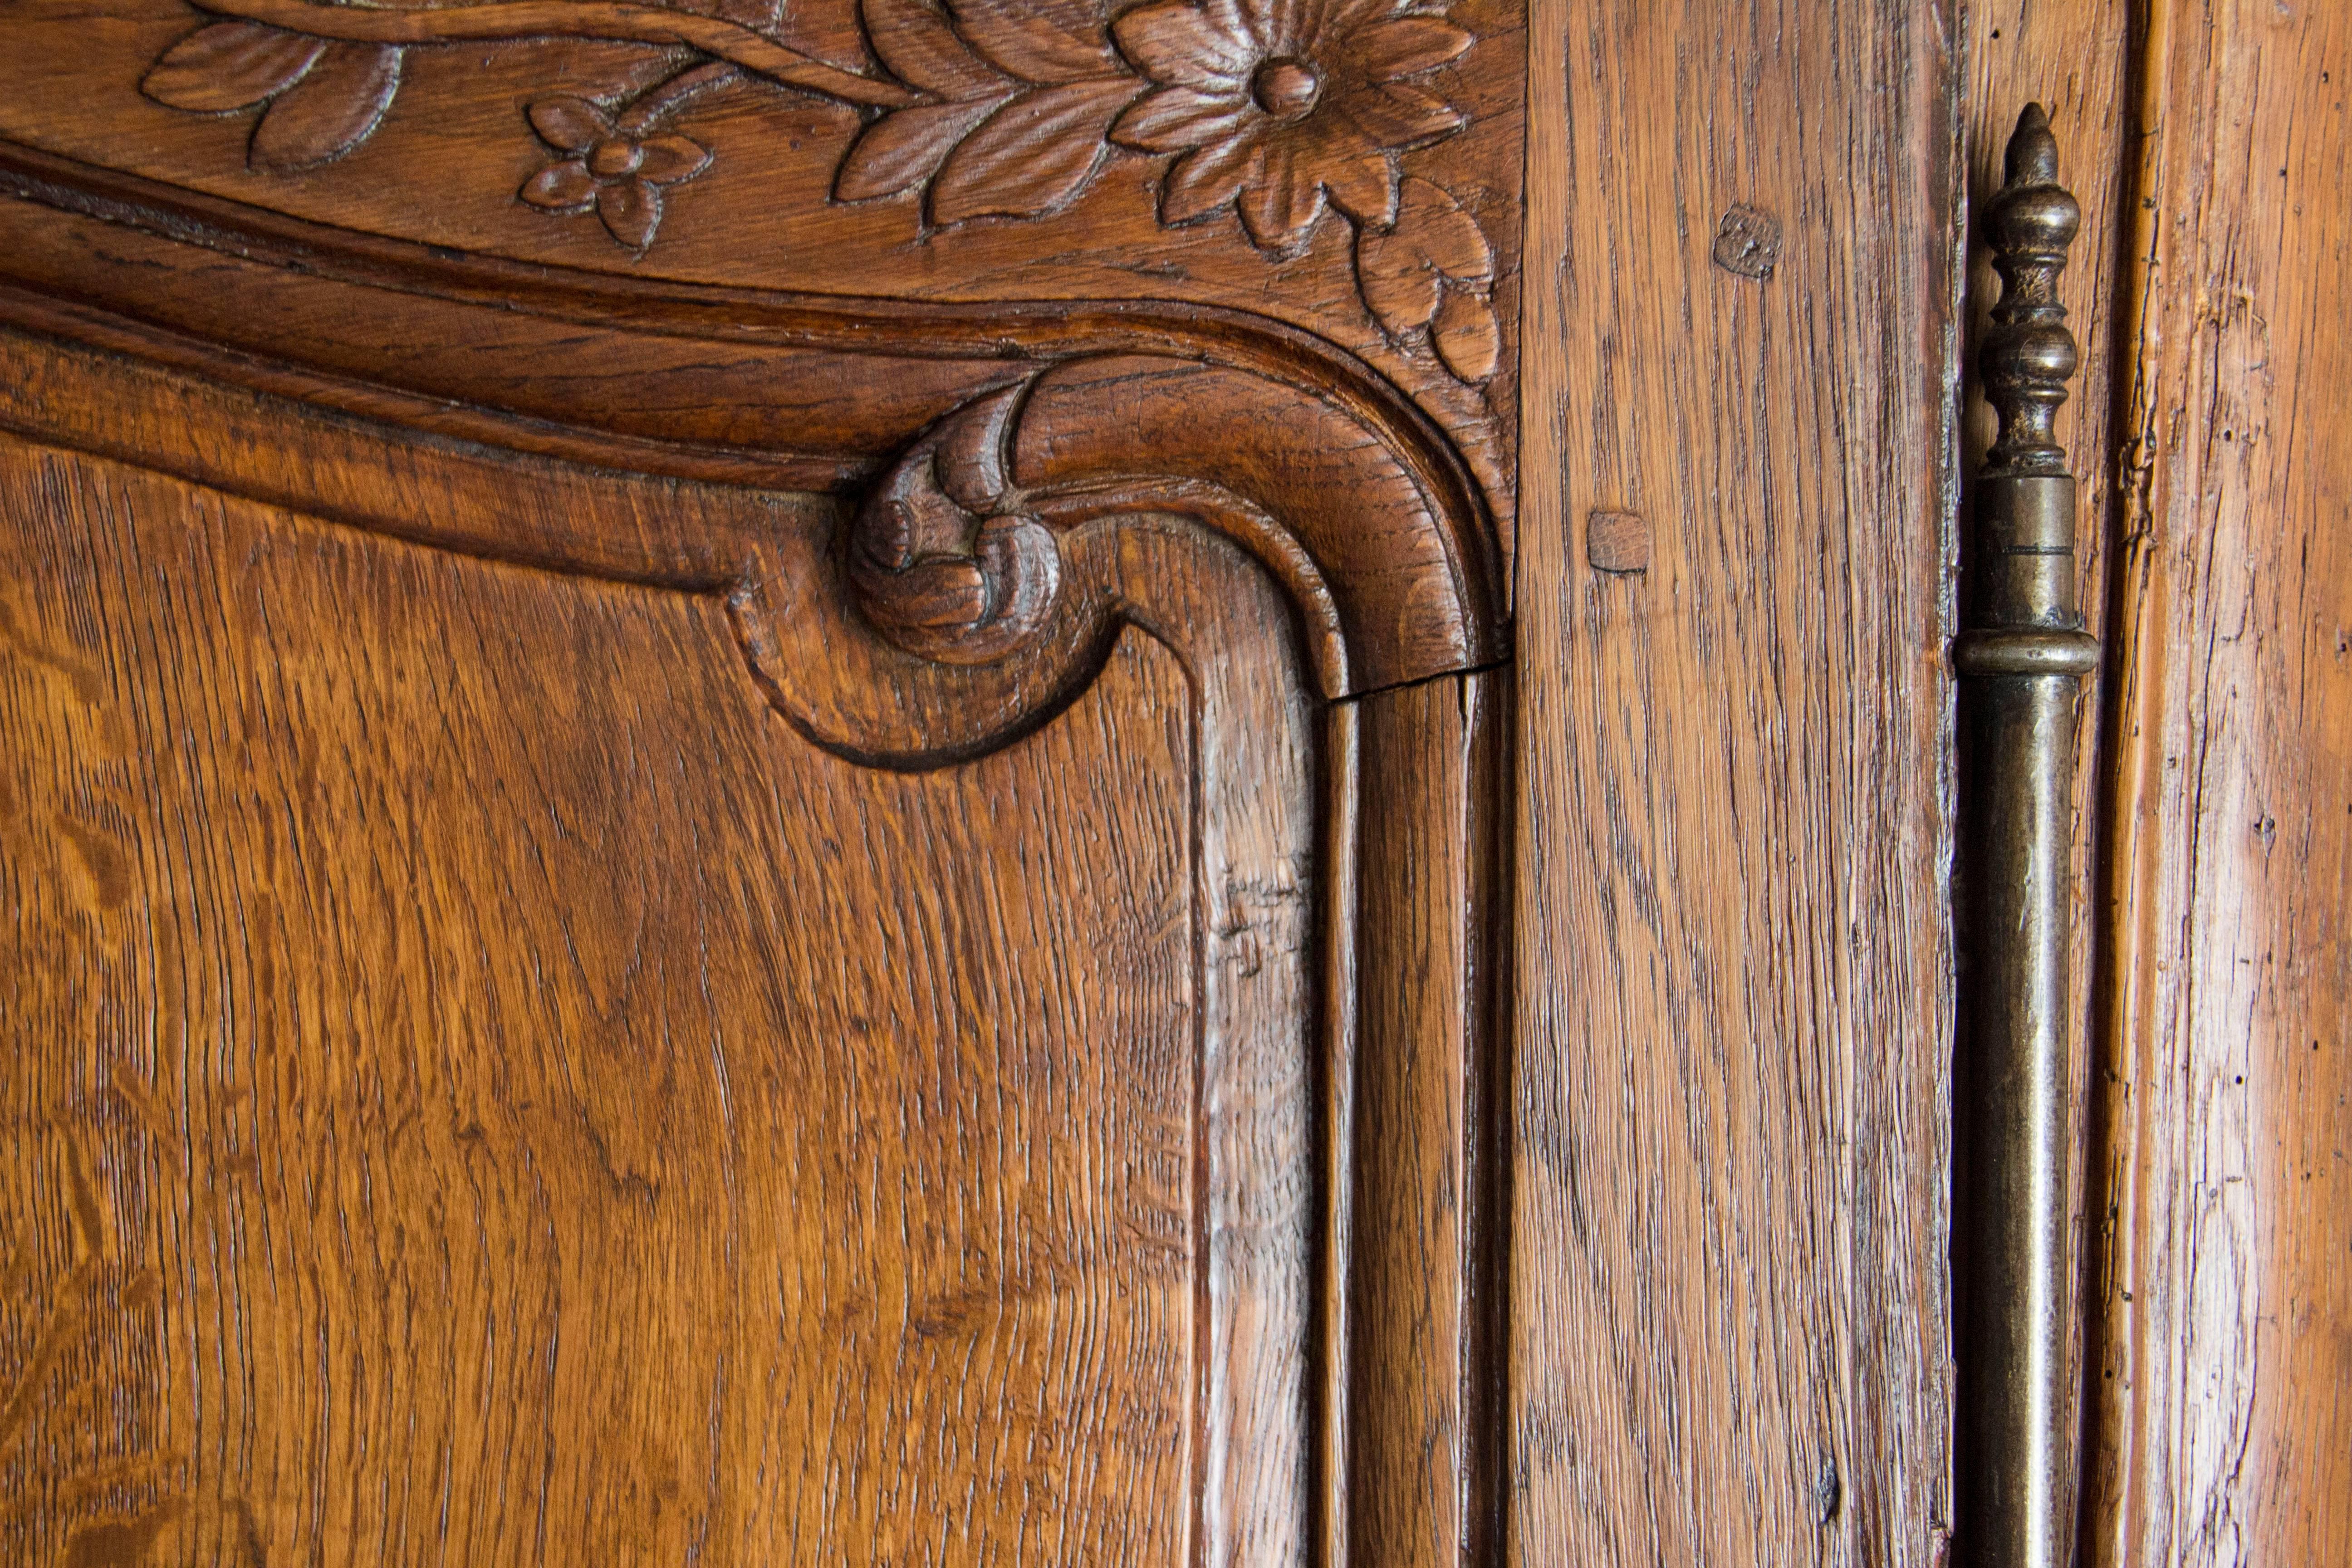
(619, 170)
(1281, 102)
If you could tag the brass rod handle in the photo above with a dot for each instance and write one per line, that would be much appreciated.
(2021, 656)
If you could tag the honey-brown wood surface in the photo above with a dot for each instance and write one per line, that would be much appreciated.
(2221, 1427)
(1423, 1473)
(701, 1020)
(481, 1085)
(1732, 1002)
(659, 574)
(1363, 507)
(1348, 167)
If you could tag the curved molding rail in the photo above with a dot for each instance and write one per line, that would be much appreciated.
(1334, 475)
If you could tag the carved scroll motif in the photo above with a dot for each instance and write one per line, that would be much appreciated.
(1268, 116)
(945, 559)
(976, 588)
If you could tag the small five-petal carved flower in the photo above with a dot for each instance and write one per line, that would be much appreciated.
(616, 168)
(1281, 102)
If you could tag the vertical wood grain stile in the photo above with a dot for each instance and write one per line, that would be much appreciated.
(2223, 1305)
(1727, 1254)
(1421, 1195)
(1341, 1026)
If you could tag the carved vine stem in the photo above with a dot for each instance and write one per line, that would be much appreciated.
(500, 20)
(2019, 658)
(1281, 112)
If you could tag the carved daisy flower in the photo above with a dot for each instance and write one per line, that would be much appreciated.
(1279, 102)
(618, 170)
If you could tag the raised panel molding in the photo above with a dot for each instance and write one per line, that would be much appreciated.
(1014, 485)
(940, 348)
(1380, 514)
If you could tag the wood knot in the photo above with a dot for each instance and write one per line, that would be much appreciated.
(943, 560)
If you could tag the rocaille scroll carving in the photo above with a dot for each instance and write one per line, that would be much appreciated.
(944, 560)
(1274, 116)
(981, 552)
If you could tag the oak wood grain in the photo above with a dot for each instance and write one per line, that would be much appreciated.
(507, 1091)
(885, 150)
(1425, 1174)
(789, 391)
(830, 1210)
(2221, 1431)
(1732, 1027)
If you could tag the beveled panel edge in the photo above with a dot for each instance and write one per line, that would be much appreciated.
(1407, 879)
(1356, 453)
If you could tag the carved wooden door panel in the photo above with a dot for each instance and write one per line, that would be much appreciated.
(749, 757)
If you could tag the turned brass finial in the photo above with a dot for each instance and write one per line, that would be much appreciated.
(2029, 354)
(2021, 659)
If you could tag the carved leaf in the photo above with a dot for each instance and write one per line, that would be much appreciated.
(1400, 116)
(666, 159)
(1397, 281)
(1447, 234)
(1174, 43)
(919, 45)
(1281, 210)
(1178, 119)
(1364, 188)
(560, 187)
(1206, 180)
(1045, 41)
(1467, 338)
(228, 66)
(1404, 270)
(906, 147)
(1033, 154)
(331, 109)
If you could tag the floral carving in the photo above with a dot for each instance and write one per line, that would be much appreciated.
(1280, 105)
(1431, 270)
(1284, 112)
(619, 169)
(1015, 112)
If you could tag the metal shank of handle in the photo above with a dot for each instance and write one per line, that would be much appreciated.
(2020, 657)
